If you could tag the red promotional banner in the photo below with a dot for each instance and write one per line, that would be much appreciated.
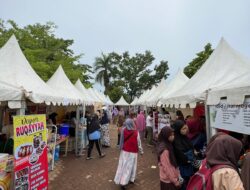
(30, 149)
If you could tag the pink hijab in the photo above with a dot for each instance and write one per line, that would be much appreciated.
(140, 121)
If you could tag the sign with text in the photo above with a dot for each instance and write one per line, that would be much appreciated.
(30, 152)
(231, 117)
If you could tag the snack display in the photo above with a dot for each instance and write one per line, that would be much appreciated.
(22, 179)
(25, 150)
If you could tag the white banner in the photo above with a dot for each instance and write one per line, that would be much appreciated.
(231, 117)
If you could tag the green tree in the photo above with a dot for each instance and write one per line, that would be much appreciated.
(132, 73)
(45, 52)
(103, 70)
(198, 61)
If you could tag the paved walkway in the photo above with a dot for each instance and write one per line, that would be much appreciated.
(77, 173)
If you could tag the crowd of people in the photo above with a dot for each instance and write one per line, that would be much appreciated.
(182, 150)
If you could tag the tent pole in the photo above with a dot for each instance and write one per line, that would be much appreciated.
(209, 130)
(77, 128)
(21, 111)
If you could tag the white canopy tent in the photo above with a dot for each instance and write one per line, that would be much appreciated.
(89, 99)
(94, 95)
(144, 97)
(16, 71)
(179, 80)
(109, 100)
(153, 99)
(60, 82)
(134, 101)
(122, 102)
(221, 67)
(234, 91)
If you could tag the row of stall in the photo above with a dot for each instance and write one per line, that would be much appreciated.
(26, 145)
(222, 85)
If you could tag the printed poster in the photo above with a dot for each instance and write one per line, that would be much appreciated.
(30, 152)
(231, 117)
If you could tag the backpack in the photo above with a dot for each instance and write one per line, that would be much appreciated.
(202, 180)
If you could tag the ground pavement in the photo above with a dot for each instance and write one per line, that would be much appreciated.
(77, 173)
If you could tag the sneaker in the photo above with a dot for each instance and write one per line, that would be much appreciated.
(102, 155)
(88, 158)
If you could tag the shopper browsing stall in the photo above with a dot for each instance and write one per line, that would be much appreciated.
(93, 132)
(105, 139)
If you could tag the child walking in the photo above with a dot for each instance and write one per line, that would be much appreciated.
(169, 173)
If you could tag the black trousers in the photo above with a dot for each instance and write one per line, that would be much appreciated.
(91, 145)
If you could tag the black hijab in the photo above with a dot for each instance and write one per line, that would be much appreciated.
(181, 143)
(164, 144)
(94, 124)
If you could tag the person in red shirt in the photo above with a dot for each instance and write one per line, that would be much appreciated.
(130, 145)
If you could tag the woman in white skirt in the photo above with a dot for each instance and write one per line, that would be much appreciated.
(130, 145)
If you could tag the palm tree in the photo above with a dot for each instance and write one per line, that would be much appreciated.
(103, 67)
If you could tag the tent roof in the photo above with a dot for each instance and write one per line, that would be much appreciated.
(155, 95)
(122, 102)
(144, 97)
(84, 92)
(16, 71)
(60, 82)
(94, 94)
(179, 80)
(134, 101)
(223, 65)
(9, 92)
(235, 91)
(109, 100)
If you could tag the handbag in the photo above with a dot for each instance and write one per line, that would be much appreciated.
(95, 135)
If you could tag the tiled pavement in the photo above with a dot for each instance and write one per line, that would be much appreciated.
(77, 173)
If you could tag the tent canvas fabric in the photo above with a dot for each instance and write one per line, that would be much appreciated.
(178, 81)
(109, 101)
(16, 71)
(235, 91)
(122, 102)
(153, 99)
(9, 92)
(134, 101)
(89, 99)
(144, 97)
(223, 65)
(60, 82)
(93, 94)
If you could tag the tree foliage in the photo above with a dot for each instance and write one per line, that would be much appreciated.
(198, 61)
(45, 52)
(130, 75)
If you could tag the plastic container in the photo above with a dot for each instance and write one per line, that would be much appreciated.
(64, 129)
(57, 152)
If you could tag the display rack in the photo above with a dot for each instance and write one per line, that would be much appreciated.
(51, 143)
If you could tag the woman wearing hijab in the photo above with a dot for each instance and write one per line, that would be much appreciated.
(105, 139)
(169, 172)
(93, 132)
(130, 145)
(141, 123)
(184, 151)
(225, 150)
(179, 115)
(245, 172)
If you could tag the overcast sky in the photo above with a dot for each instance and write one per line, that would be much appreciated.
(174, 30)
